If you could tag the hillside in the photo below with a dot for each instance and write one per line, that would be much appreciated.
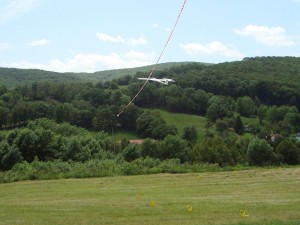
(181, 120)
(272, 80)
(277, 69)
(114, 74)
(281, 71)
(12, 76)
(209, 106)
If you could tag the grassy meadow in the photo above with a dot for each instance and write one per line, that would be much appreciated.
(268, 196)
(181, 121)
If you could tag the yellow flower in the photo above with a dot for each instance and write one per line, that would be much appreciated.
(189, 208)
(244, 214)
(152, 203)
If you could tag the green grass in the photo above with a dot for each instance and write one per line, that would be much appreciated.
(181, 121)
(250, 121)
(270, 196)
(120, 134)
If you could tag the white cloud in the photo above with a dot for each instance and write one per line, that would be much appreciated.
(140, 56)
(155, 25)
(272, 36)
(92, 62)
(213, 48)
(15, 8)
(119, 39)
(109, 38)
(137, 41)
(40, 42)
(5, 46)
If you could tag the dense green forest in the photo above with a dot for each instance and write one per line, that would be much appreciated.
(56, 121)
(13, 76)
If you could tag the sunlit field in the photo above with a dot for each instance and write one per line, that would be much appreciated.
(181, 121)
(258, 196)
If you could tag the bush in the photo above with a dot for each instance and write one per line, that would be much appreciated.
(174, 147)
(221, 126)
(151, 148)
(289, 151)
(217, 150)
(260, 152)
(190, 134)
(152, 125)
(9, 156)
(131, 152)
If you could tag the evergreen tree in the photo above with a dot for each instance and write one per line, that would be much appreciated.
(238, 125)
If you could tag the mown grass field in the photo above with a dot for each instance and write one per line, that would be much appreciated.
(120, 134)
(181, 121)
(269, 196)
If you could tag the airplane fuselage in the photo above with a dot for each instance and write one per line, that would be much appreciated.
(164, 81)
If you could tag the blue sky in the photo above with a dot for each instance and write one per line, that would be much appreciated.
(96, 35)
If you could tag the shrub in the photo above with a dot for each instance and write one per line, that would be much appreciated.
(174, 147)
(221, 126)
(190, 134)
(151, 148)
(217, 150)
(131, 152)
(289, 151)
(260, 152)
(9, 156)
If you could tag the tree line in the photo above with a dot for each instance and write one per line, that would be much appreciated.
(96, 106)
(83, 107)
(47, 141)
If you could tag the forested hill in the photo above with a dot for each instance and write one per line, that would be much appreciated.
(280, 70)
(271, 80)
(276, 80)
(11, 76)
(277, 69)
(258, 96)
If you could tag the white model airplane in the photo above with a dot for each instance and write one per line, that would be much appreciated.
(164, 81)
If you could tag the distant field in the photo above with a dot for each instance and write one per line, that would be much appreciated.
(269, 196)
(120, 134)
(181, 121)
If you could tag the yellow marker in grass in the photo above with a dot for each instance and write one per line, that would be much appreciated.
(189, 208)
(152, 203)
(244, 214)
